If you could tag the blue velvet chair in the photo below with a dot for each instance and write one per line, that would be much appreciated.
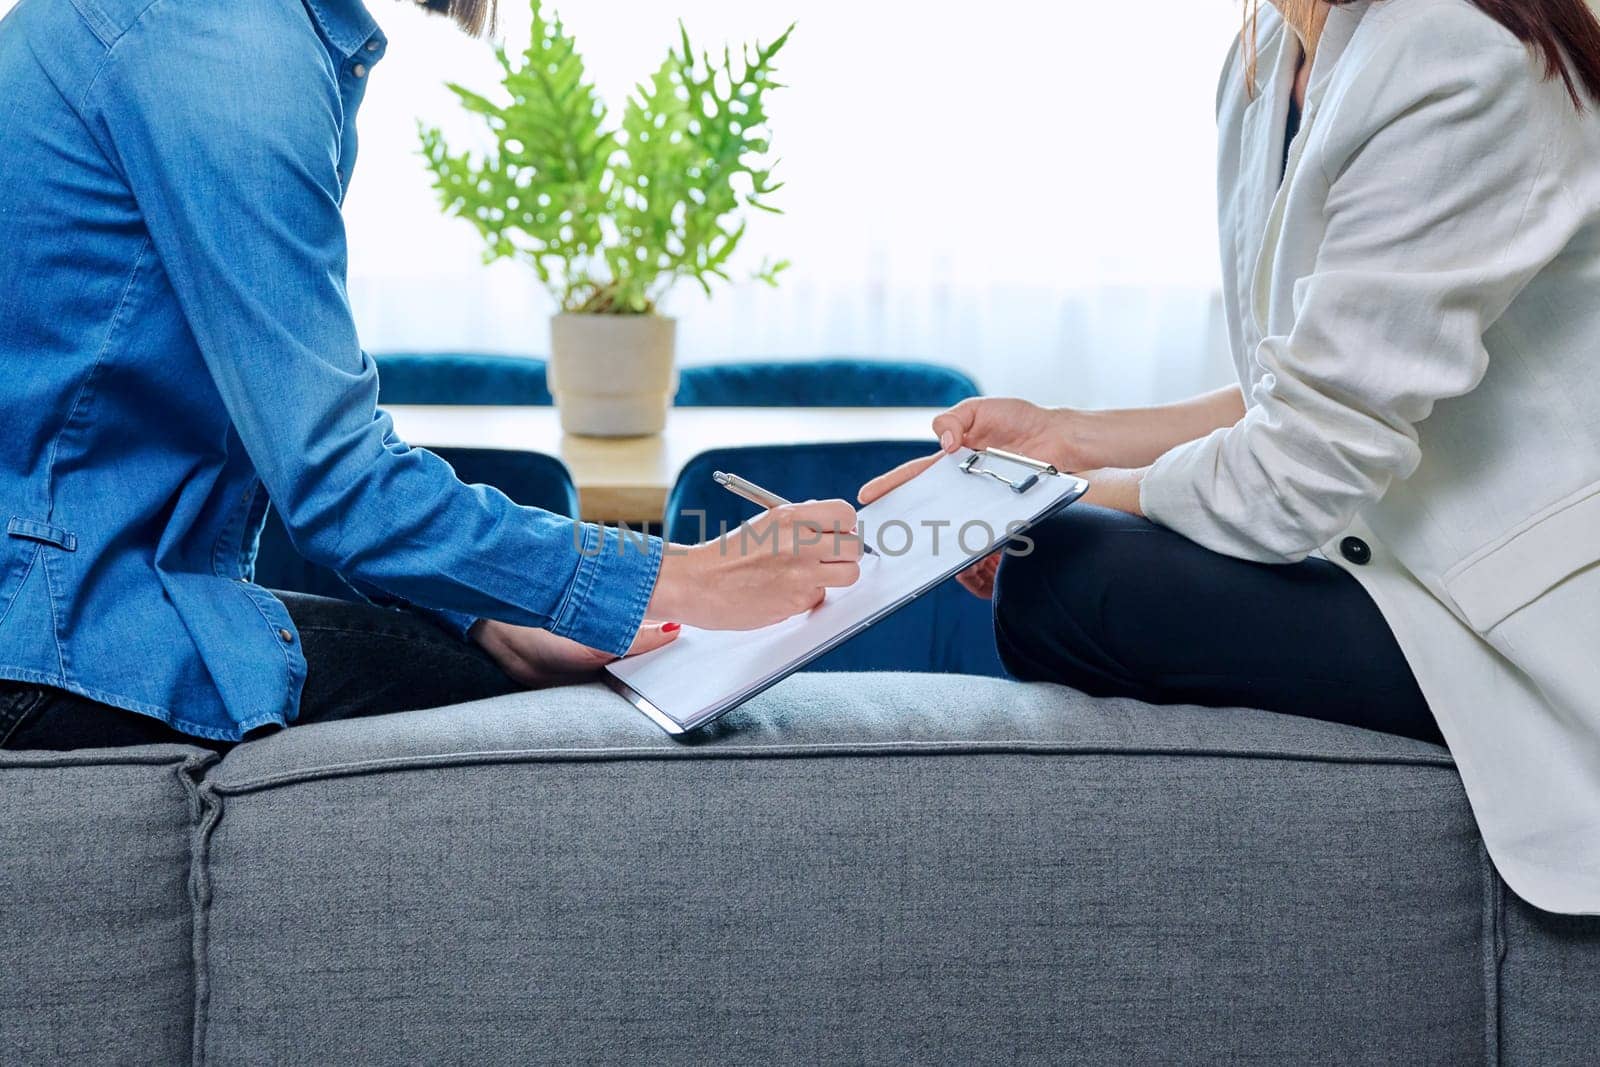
(529, 478)
(461, 378)
(826, 383)
(946, 631)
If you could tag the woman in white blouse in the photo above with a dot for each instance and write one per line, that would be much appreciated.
(1394, 519)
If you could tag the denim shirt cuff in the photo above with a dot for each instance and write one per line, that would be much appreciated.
(611, 590)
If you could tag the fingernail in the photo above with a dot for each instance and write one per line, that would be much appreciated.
(671, 627)
(948, 440)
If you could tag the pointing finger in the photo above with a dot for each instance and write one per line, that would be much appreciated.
(902, 474)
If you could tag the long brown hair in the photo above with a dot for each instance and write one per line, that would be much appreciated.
(1565, 34)
(476, 17)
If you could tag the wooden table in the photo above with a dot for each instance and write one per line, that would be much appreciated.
(627, 479)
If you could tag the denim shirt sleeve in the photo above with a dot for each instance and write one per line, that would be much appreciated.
(229, 138)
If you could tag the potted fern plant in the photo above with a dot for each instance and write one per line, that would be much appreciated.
(611, 217)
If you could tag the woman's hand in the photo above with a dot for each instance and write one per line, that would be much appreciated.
(538, 658)
(978, 579)
(1060, 436)
(1055, 435)
(779, 564)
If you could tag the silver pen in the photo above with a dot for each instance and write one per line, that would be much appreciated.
(763, 498)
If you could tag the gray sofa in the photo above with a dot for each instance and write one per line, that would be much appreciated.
(852, 869)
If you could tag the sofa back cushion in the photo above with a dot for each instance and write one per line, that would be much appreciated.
(853, 868)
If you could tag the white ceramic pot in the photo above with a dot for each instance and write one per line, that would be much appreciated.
(613, 375)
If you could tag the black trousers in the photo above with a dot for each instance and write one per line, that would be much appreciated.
(1115, 605)
(360, 660)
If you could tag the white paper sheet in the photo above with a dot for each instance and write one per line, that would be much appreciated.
(925, 531)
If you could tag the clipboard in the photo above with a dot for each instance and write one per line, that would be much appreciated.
(963, 508)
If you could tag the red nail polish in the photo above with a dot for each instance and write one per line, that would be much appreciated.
(671, 627)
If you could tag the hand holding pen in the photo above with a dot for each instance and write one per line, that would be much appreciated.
(765, 498)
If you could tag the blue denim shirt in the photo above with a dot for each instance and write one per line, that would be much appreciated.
(175, 337)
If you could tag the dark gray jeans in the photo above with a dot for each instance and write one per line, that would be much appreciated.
(360, 660)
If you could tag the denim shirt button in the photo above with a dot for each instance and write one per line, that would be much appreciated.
(286, 636)
(373, 45)
(359, 70)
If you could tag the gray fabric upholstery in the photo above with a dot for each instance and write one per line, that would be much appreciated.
(852, 869)
(878, 869)
(1549, 987)
(96, 941)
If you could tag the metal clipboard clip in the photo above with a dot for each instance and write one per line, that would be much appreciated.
(973, 464)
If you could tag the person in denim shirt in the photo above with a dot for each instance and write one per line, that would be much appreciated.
(176, 347)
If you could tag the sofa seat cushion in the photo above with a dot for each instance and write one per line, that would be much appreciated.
(96, 940)
(862, 868)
